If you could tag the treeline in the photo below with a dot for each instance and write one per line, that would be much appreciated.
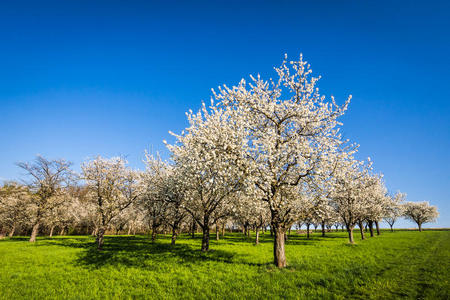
(267, 154)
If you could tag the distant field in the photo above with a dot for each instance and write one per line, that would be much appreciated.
(403, 264)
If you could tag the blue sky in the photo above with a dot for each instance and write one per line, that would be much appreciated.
(83, 78)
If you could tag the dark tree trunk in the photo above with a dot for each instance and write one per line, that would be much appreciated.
(193, 228)
(420, 226)
(307, 230)
(257, 236)
(205, 237)
(361, 229)
(377, 225)
(100, 237)
(217, 232)
(323, 228)
(370, 228)
(51, 230)
(337, 227)
(34, 232)
(13, 229)
(174, 235)
(154, 229)
(278, 247)
(271, 230)
(392, 227)
(350, 235)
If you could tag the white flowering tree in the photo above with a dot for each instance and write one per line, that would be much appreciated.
(165, 195)
(353, 184)
(250, 213)
(153, 197)
(420, 212)
(65, 215)
(112, 187)
(207, 155)
(394, 208)
(290, 129)
(375, 200)
(15, 207)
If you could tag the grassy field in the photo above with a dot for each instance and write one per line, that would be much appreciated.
(403, 264)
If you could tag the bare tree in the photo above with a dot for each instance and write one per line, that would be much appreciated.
(48, 180)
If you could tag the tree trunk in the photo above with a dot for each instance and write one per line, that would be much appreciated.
(62, 231)
(13, 229)
(34, 233)
(223, 229)
(51, 230)
(154, 233)
(193, 229)
(257, 236)
(271, 230)
(307, 231)
(205, 237)
(129, 230)
(420, 226)
(323, 228)
(350, 235)
(377, 225)
(94, 232)
(174, 235)
(371, 228)
(361, 229)
(100, 238)
(278, 247)
(217, 232)
(392, 227)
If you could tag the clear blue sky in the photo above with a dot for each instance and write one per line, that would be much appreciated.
(83, 78)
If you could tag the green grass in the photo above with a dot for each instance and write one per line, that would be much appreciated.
(403, 264)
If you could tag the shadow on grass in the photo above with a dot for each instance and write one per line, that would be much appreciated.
(15, 239)
(139, 251)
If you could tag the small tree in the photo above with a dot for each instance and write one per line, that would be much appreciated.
(113, 187)
(394, 208)
(349, 198)
(169, 184)
(420, 212)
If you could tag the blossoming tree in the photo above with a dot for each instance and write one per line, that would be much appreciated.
(420, 212)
